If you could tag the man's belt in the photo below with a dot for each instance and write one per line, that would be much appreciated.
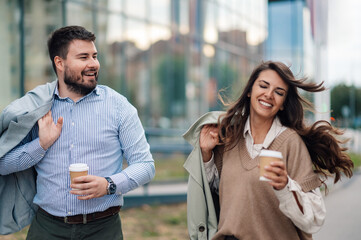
(85, 218)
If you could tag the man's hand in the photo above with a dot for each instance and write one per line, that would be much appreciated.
(49, 132)
(89, 187)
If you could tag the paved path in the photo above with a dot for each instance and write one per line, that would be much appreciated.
(343, 204)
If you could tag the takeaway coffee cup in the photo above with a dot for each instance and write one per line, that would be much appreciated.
(265, 159)
(77, 170)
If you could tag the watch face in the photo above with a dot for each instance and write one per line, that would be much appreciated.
(112, 188)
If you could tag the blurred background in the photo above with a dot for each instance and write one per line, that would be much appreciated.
(171, 58)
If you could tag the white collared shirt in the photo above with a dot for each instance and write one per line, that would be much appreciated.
(312, 202)
(255, 149)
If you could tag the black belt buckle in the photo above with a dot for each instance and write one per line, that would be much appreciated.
(85, 220)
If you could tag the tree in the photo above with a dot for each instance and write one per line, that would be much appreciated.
(171, 76)
(225, 77)
(345, 102)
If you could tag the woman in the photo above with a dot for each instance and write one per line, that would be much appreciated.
(269, 115)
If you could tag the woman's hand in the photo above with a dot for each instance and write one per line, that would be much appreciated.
(208, 139)
(280, 180)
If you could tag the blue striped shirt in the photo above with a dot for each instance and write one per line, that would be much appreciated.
(100, 129)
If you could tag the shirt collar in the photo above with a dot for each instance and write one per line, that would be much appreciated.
(96, 91)
(247, 128)
(274, 131)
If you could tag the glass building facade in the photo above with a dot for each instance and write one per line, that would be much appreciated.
(297, 35)
(168, 57)
(290, 36)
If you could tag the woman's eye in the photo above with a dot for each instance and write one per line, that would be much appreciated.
(280, 93)
(263, 86)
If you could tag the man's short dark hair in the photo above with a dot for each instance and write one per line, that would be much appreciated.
(60, 39)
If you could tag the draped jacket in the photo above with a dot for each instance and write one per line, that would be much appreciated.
(17, 190)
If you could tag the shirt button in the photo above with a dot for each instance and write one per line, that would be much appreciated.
(72, 123)
(69, 213)
(72, 146)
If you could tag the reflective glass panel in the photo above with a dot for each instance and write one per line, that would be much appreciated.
(80, 14)
(9, 48)
(41, 18)
(136, 8)
(160, 11)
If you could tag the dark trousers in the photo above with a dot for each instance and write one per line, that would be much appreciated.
(44, 227)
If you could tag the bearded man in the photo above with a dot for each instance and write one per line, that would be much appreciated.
(72, 120)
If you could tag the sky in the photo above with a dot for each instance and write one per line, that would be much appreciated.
(344, 42)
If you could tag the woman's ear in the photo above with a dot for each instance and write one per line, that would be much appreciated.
(249, 94)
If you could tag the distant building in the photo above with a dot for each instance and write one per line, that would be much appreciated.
(297, 35)
(168, 57)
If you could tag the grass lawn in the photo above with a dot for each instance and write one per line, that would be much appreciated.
(169, 167)
(165, 222)
(356, 158)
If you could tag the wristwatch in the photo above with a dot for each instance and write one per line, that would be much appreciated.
(111, 188)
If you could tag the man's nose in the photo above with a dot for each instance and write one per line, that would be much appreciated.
(93, 63)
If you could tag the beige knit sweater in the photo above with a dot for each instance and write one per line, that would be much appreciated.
(249, 207)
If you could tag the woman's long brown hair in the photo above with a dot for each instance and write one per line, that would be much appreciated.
(326, 151)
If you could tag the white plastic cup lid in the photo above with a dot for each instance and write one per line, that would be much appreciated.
(78, 167)
(270, 153)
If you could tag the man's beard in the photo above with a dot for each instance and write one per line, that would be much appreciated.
(77, 85)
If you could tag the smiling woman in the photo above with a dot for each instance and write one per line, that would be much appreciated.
(268, 95)
(267, 115)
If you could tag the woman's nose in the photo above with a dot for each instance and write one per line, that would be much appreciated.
(269, 93)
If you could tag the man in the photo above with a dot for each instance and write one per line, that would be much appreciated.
(93, 125)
